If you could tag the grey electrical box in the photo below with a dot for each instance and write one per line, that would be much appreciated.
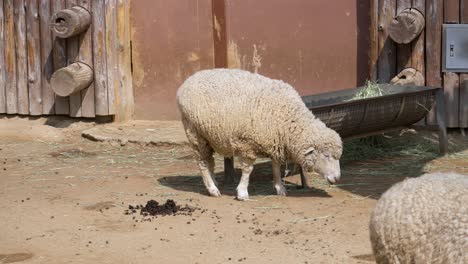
(454, 48)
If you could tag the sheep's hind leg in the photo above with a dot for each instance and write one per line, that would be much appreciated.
(204, 155)
(278, 183)
(206, 165)
(246, 167)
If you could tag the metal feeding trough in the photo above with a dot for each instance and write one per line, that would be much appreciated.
(399, 107)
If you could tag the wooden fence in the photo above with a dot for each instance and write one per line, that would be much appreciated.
(388, 58)
(31, 52)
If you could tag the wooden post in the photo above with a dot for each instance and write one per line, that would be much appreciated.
(408, 76)
(33, 41)
(451, 79)
(434, 18)
(21, 57)
(463, 77)
(59, 55)
(70, 22)
(48, 96)
(220, 61)
(387, 49)
(71, 79)
(229, 170)
(304, 182)
(2, 63)
(406, 26)
(440, 112)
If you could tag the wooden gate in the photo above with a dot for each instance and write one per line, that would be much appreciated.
(390, 55)
(37, 57)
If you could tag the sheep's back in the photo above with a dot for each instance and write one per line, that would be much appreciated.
(422, 220)
(227, 104)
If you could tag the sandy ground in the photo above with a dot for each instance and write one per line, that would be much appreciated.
(64, 197)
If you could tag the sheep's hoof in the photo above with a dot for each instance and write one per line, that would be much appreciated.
(242, 195)
(281, 190)
(242, 198)
(214, 192)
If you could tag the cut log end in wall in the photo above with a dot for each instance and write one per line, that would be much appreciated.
(406, 26)
(70, 22)
(408, 76)
(71, 79)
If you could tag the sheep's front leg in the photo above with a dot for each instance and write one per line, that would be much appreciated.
(278, 183)
(246, 167)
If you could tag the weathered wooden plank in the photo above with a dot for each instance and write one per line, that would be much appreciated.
(21, 57)
(464, 11)
(86, 56)
(451, 11)
(417, 51)
(387, 49)
(434, 18)
(59, 54)
(47, 67)
(463, 108)
(451, 80)
(403, 50)
(124, 94)
(2, 62)
(99, 58)
(374, 39)
(451, 91)
(463, 77)
(34, 57)
(112, 56)
(417, 47)
(11, 92)
(73, 51)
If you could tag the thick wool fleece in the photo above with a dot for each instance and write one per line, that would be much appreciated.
(422, 220)
(244, 114)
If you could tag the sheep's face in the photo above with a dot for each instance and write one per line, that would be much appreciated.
(324, 163)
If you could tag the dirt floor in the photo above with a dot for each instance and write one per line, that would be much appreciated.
(65, 199)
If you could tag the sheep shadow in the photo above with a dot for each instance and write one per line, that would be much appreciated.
(368, 170)
(260, 184)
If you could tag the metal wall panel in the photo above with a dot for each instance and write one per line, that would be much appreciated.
(316, 46)
(171, 40)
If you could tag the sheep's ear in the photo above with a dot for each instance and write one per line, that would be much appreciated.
(310, 151)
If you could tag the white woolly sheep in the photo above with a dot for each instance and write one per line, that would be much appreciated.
(422, 220)
(238, 113)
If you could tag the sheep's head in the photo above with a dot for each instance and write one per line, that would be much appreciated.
(322, 154)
